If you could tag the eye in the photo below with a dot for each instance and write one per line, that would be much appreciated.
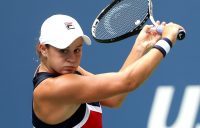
(78, 50)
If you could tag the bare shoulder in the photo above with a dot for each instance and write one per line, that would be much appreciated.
(49, 101)
(47, 105)
(53, 89)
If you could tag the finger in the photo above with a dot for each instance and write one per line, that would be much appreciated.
(163, 23)
(147, 28)
(181, 28)
(158, 22)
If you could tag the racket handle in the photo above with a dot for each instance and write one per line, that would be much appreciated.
(180, 36)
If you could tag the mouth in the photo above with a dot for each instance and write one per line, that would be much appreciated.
(69, 68)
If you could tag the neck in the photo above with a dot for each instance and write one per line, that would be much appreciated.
(45, 68)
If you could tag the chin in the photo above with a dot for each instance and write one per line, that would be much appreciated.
(67, 72)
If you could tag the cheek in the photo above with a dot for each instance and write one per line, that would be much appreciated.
(78, 58)
(55, 60)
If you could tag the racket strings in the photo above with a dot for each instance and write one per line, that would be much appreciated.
(122, 18)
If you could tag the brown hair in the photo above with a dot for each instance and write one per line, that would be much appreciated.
(38, 50)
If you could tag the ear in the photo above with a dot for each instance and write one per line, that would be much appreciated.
(43, 49)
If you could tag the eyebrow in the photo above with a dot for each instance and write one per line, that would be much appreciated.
(80, 45)
(76, 46)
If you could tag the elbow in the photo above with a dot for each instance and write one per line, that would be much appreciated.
(115, 105)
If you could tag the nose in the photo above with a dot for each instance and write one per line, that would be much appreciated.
(70, 57)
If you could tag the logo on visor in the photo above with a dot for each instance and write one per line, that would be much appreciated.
(69, 25)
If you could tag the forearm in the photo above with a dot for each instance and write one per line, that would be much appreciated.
(139, 71)
(135, 74)
(134, 55)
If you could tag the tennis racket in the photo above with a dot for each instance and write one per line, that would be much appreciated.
(124, 18)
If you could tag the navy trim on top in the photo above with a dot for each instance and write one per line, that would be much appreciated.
(39, 77)
(95, 104)
(76, 118)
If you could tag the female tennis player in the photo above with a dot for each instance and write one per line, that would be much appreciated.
(66, 95)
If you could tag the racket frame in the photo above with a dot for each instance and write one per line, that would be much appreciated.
(128, 34)
(151, 13)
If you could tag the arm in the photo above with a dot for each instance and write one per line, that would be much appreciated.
(71, 88)
(144, 42)
(76, 89)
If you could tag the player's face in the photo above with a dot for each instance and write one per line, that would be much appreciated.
(64, 61)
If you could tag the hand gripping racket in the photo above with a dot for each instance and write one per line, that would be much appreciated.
(124, 18)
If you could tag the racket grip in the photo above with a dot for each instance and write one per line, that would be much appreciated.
(180, 36)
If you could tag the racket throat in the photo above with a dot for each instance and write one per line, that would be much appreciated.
(153, 20)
